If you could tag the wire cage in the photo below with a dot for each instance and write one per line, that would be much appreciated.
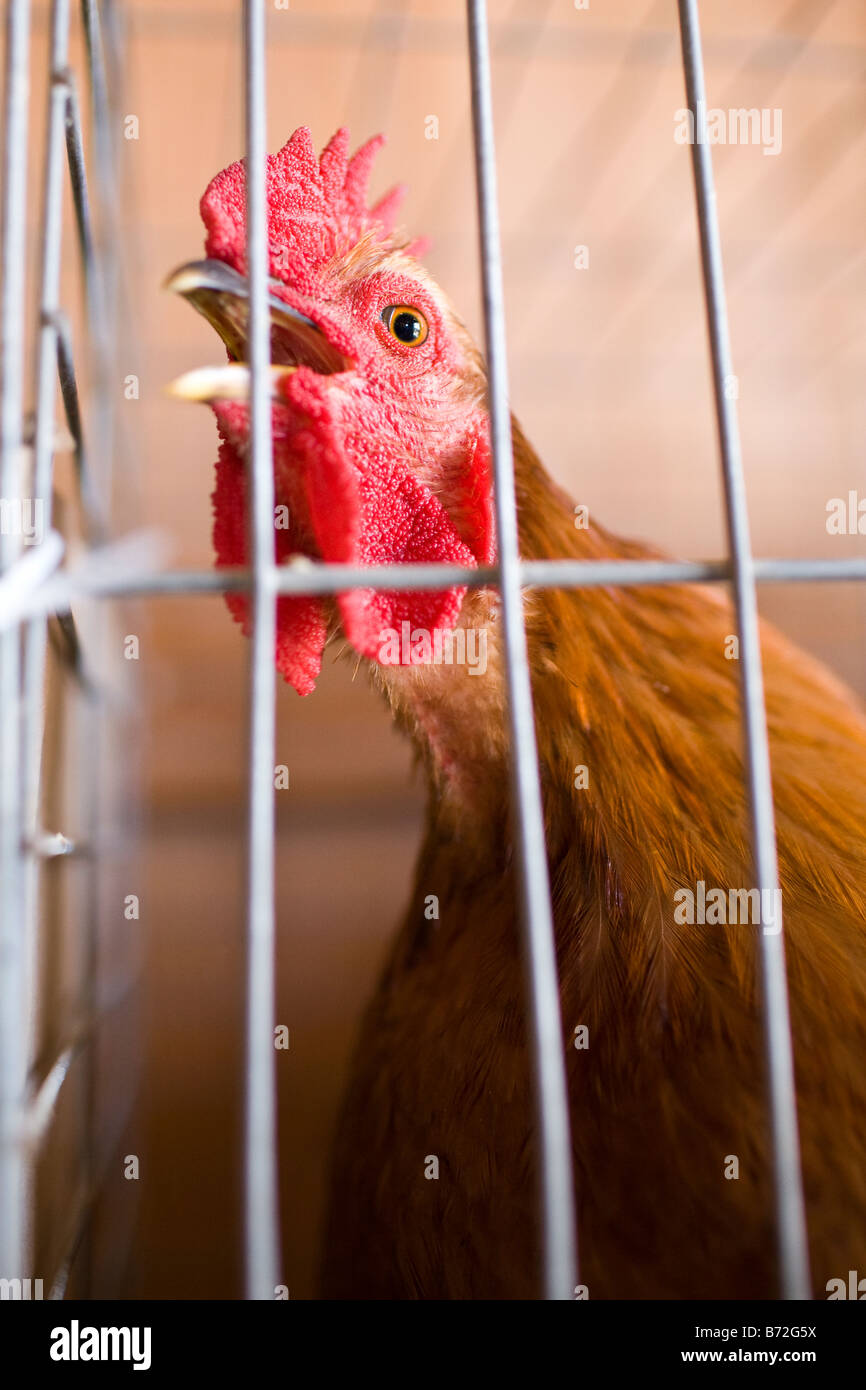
(68, 1011)
(68, 726)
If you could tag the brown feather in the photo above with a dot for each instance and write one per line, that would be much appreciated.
(634, 684)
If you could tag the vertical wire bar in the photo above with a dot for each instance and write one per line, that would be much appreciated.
(13, 962)
(92, 25)
(99, 262)
(793, 1252)
(95, 527)
(42, 482)
(46, 386)
(547, 1048)
(81, 201)
(96, 508)
(261, 1195)
(110, 798)
(101, 268)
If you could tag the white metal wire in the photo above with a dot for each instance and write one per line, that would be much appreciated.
(262, 1234)
(126, 568)
(24, 845)
(547, 1048)
(787, 1177)
(13, 947)
(35, 633)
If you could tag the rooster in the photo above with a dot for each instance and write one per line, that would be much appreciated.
(382, 455)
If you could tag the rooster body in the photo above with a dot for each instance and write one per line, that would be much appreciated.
(640, 746)
(633, 686)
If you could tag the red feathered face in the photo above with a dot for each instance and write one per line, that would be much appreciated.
(380, 433)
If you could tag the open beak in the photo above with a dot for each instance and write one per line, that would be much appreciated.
(230, 382)
(221, 295)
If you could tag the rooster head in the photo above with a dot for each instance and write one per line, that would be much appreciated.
(380, 431)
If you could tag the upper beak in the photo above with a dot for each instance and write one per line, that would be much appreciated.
(222, 296)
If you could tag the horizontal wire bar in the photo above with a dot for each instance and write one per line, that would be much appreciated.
(106, 573)
(26, 578)
(79, 1228)
(42, 1100)
(37, 1116)
(136, 555)
(47, 844)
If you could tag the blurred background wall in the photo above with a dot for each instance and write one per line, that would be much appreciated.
(610, 379)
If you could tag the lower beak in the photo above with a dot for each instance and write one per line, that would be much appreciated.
(221, 295)
(230, 382)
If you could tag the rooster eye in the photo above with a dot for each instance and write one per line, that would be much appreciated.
(404, 323)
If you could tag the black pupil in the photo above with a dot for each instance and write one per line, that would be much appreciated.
(406, 327)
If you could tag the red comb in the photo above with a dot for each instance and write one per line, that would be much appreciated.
(316, 207)
(341, 454)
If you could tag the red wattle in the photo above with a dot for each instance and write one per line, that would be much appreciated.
(367, 507)
(301, 629)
